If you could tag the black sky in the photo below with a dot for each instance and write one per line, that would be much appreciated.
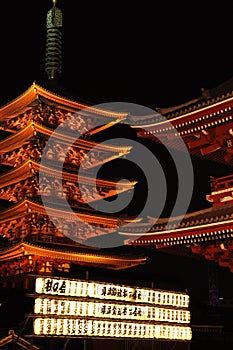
(151, 53)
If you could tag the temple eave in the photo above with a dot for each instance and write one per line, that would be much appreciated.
(30, 167)
(205, 233)
(35, 91)
(32, 252)
(25, 206)
(25, 134)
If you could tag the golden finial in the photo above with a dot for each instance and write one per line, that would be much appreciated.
(54, 2)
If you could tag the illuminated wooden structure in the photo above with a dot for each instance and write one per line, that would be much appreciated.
(208, 232)
(28, 121)
(205, 125)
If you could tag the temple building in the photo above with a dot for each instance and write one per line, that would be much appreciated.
(205, 125)
(49, 153)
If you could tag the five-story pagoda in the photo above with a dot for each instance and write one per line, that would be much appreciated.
(36, 241)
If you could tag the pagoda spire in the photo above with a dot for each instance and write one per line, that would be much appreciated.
(53, 57)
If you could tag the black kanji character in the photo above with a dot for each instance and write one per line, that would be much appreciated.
(55, 286)
(62, 288)
(48, 285)
(103, 291)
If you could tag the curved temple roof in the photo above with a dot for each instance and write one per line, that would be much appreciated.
(22, 102)
(28, 169)
(20, 138)
(22, 208)
(206, 225)
(72, 254)
(205, 127)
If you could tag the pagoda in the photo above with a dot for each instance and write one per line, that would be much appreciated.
(31, 241)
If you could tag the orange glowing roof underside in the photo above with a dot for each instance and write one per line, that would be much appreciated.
(25, 249)
(30, 167)
(35, 91)
(20, 138)
(22, 208)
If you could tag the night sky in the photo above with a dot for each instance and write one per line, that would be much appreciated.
(155, 54)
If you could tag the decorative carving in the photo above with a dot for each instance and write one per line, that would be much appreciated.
(54, 18)
(35, 224)
(51, 116)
